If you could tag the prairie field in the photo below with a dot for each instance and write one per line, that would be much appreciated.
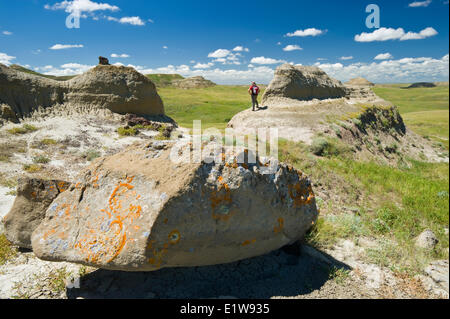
(393, 204)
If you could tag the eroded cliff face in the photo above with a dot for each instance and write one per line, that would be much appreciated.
(116, 88)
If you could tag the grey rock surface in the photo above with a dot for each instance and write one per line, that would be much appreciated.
(426, 240)
(33, 198)
(139, 211)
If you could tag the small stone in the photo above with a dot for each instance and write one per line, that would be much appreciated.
(427, 240)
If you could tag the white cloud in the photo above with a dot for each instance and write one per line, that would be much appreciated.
(344, 58)
(260, 74)
(203, 65)
(240, 48)
(384, 56)
(81, 6)
(405, 70)
(416, 4)
(123, 56)
(310, 32)
(425, 33)
(219, 53)
(65, 69)
(132, 20)
(165, 47)
(292, 47)
(264, 60)
(65, 46)
(7, 32)
(6, 59)
(385, 34)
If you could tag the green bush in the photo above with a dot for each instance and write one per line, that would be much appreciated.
(41, 159)
(325, 147)
(129, 131)
(91, 155)
(26, 128)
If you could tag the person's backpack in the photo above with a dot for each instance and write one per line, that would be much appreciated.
(255, 90)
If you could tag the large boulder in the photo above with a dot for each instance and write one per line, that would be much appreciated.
(302, 83)
(195, 82)
(116, 88)
(33, 198)
(139, 211)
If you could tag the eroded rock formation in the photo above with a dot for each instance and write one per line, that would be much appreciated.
(116, 88)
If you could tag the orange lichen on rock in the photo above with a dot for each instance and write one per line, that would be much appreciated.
(158, 253)
(300, 195)
(279, 228)
(110, 241)
(221, 199)
(248, 242)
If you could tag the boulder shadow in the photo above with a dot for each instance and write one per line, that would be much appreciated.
(290, 271)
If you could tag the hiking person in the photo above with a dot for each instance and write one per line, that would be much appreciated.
(254, 91)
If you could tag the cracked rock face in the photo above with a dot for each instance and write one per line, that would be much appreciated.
(140, 211)
(33, 198)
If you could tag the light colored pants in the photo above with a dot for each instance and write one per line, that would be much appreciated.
(255, 101)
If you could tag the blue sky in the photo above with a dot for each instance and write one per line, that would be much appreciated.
(231, 42)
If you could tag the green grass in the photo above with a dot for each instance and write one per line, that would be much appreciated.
(213, 106)
(7, 251)
(32, 168)
(434, 124)
(41, 159)
(163, 80)
(25, 70)
(415, 100)
(91, 155)
(131, 131)
(24, 129)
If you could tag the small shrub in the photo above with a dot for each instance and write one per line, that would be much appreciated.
(339, 275)
(6, 250)
(48, 141)
(325, 147)
(358, 123)
(91, 155)
(40, 159)
(393, 148)
(6, 182)
(31, 168)
(127, 131)
(26, 128)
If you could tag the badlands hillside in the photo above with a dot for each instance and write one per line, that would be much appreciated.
(89, 192)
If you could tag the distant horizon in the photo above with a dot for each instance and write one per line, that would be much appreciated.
(239, 84)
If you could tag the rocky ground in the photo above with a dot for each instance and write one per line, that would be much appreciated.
(341, 271)
(293, 273)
